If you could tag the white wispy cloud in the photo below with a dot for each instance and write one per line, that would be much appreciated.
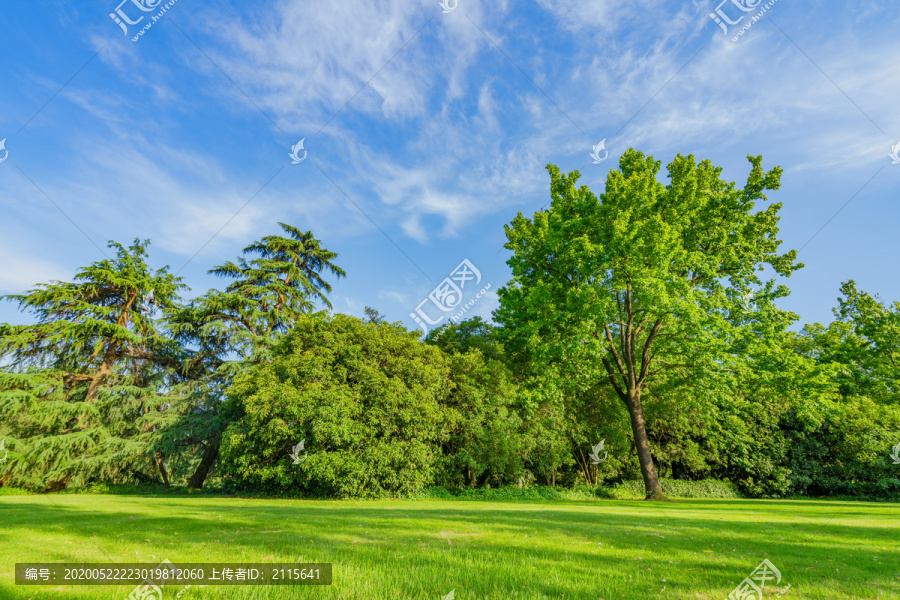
(23, 267)
(473, 143)
(304, 61)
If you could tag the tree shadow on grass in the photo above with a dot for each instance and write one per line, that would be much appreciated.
(492, 549)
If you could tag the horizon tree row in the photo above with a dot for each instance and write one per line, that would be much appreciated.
(638, 317)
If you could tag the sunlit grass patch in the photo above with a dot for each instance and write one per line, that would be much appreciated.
(690, 549)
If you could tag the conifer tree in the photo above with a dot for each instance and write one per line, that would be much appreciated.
(84, 389)
(227, 330)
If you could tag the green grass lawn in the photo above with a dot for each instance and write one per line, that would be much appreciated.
(692, 549)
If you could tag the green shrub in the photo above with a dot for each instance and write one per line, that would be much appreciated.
(673, 488)
(845, 453)
(434, 493)
(367, 400)
(496, 494)
(606, 493)
(483, 427)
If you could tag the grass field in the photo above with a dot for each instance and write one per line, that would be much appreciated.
(613, 550)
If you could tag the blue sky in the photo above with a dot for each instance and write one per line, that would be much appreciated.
(427, 131)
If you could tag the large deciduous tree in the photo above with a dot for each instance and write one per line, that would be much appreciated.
(646, 281)
(865, 341)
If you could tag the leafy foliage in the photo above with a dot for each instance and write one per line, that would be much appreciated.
(644, 279)
(485, 442)
(674, 488)
(467, 335)
(94, 378)
(366, 398)
(235, 328)
(638, 320)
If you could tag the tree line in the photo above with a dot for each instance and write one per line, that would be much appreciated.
(644, 318)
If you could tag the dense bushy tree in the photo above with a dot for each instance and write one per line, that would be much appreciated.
(486, 442)
(553, 426)
(366, 400)
(470, 334)
(843, 446)
(864, 341)
(642, 280)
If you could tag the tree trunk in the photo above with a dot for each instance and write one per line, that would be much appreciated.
(590, 472)
(206, 462)
(57, 485)
(642, 444)
(162, 469)
(100, 375)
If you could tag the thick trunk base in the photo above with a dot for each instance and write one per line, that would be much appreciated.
(642, 445)
(206, 462)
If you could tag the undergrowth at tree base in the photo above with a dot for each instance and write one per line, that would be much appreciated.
(625, 490)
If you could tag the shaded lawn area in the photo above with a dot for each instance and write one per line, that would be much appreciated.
(611, 550)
